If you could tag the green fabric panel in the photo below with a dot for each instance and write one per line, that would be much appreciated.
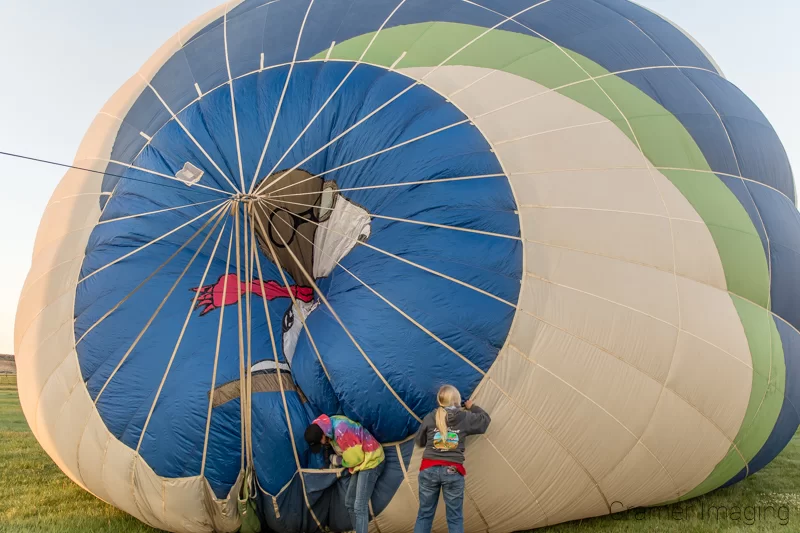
(766, 395)
(663, 139)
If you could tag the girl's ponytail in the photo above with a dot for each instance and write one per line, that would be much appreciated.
(448, 396)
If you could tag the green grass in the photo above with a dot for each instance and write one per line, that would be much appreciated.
(36, 497)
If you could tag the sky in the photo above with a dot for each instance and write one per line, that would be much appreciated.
(61, 61)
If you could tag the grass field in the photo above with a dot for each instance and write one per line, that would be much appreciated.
(36, 497)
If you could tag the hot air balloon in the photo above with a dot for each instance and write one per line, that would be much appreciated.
(296, 207)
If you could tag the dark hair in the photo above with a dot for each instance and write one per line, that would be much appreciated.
(313, 438)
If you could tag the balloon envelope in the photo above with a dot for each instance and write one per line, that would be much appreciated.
(561, 207)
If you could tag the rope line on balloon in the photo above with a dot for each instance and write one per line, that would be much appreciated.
(273, 194)
(379, 152)
(399, 94)
(393, 306)
(111, 174)
(71, 320)
(166, 176)
(647, 164)
(282, 389)
(233, 96)
(245, 466)
(298, 311)
(390, 185)
(216, 358)
(248, 382)
(416, 222)
(157, 212)
(329, 99)
(403, 260)
(672, 234)
(148, 244)
(189, 134)
(746, 430)
(186, 321)
(763, 226)
(469, 362)
(335, 315)
(219, 216)
(434, 337)
(148, 278)
(281, 99)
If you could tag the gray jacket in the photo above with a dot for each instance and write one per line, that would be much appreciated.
(460, 424)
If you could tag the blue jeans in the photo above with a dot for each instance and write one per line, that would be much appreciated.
(451, 483)
(359, 492)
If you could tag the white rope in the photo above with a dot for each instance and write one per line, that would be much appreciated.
(233, 96)
(402, 184)
(375, 154)
(148, 278)
(148, 244)
(298, 311)
(280, 101)
(408, 262)
(157, 311)
(189, 134)
(400, 311)
(138, 215)
(183, 331)
(401, 93)
(165, 176)
(335, 315)
(417, 222)
(283, 392)
(330, 98)
(216, 358)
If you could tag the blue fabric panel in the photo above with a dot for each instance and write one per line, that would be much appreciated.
(129, 142)
(224, 456)
(245, 37)
(323, 24)
(677, 93)
(206, 57)
(760, 153)
(680, 49)
(174, 82)
(294, 515)
(272, 448)
(472, 323)
(282, 25)
(147, 114)
(788, 419)
(782, 221)
(740, 190)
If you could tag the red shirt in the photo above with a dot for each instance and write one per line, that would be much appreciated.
(428, 463)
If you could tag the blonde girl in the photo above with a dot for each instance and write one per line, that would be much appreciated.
(442, 434)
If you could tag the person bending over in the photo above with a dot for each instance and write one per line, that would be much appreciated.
(358, 451)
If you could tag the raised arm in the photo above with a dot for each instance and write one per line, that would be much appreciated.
(477, 420)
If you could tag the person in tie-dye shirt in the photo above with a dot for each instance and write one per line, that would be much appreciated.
(358, 451)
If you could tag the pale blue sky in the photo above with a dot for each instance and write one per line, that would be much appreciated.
(62, 60)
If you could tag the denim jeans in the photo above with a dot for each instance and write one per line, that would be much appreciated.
(359, 492)
(451, 483)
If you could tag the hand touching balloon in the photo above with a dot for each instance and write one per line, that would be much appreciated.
(228, 289)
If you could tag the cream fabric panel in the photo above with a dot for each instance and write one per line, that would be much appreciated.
(599, 395)
(55, 401)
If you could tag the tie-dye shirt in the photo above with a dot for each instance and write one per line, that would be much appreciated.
(358, 448)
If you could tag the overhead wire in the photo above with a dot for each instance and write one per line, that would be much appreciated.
(120, 176)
